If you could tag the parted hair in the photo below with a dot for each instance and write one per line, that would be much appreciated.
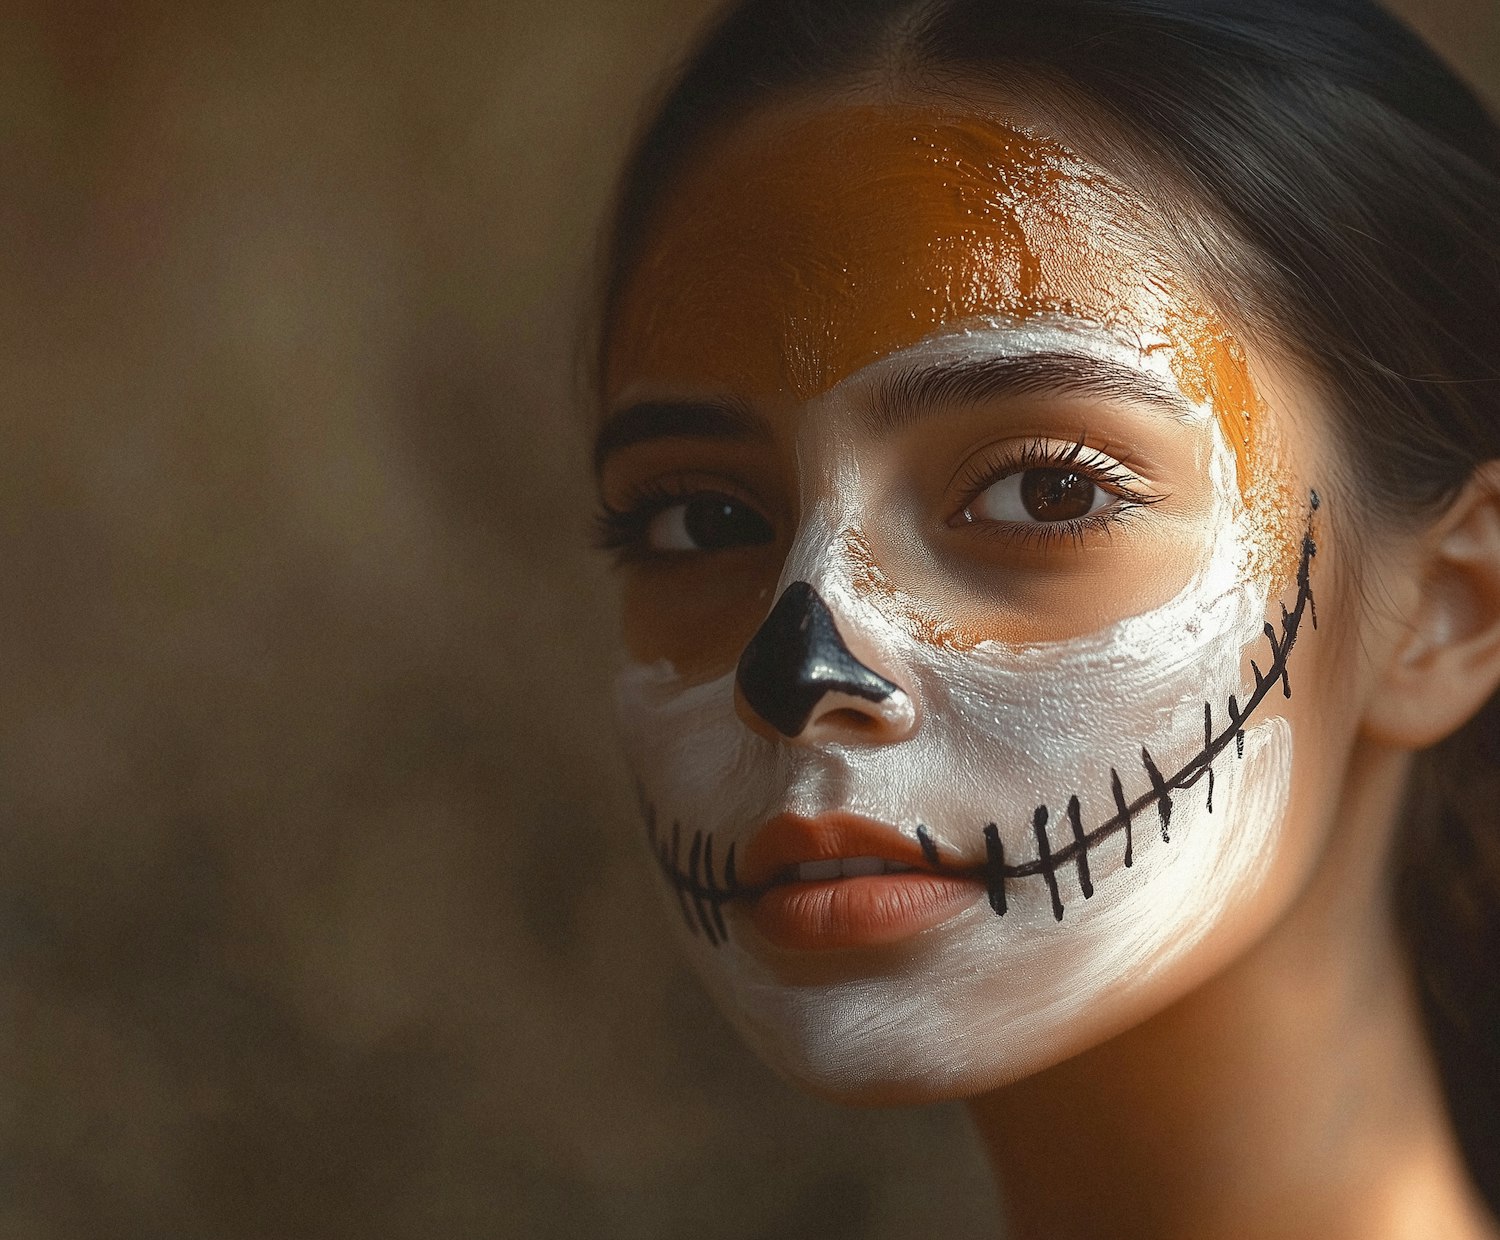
(1357, 184)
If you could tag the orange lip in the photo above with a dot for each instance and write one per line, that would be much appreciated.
(868, 911)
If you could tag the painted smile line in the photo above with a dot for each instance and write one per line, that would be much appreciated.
(787, 850)
(701, 894)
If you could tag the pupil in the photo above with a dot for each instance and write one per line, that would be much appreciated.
(716, 521)
(1056, 494)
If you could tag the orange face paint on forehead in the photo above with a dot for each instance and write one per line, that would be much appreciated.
(799, 250)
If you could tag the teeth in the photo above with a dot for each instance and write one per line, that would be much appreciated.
(847, 867)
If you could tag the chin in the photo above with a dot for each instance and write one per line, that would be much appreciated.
(982, 1001)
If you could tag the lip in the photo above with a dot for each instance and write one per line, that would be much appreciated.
(868, 911)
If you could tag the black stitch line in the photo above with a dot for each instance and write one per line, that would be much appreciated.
(715, 898)
(1193, 769)
(698, 883)
(1122, 811)
(1044, 857)
(1085, 883)
(1286, 682)
(700, 889)
(929, 846)
(995, 870)
(1160, 793)
(1208, 740)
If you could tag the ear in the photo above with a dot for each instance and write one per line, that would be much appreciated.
(1445, 663)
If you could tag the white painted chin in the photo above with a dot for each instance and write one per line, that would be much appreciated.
(984, 1000)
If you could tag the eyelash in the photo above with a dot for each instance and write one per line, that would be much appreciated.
(622, 531)
(1103, 471)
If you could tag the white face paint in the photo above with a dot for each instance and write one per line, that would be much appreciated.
(982, 999)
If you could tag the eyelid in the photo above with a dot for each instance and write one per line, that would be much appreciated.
(675, 485)
(621, 527)
(987, 465)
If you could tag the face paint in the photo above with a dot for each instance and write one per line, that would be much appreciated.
(783, 264)
(1086, 810)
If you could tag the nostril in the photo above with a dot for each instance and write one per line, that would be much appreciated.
(797, 658)
(847, 719)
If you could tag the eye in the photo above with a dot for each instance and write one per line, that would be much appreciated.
(1045, 488)
(705, 522)
(1049, 494)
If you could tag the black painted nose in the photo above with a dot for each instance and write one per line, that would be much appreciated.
(797, 658)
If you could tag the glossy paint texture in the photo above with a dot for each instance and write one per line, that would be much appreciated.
(784, 264)
(803, 267)
(982, 998)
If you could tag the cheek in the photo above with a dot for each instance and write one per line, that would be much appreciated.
(697, 618)
(1323, 713)
(962, 601)
(1077, 955)
(963, 586)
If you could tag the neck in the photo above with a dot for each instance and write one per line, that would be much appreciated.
(1290, 1096)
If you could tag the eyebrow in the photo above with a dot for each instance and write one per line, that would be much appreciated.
(641, 423)
(915, 392)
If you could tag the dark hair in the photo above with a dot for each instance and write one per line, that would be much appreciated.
(1358, 182)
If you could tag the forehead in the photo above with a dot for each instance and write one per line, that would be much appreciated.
(812, 242)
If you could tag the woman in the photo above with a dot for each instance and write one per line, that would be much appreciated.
(1049, 449)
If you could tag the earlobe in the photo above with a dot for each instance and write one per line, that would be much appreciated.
(1446, 662)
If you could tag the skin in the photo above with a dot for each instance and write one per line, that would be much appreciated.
(1271, 1080)
(1019, 229)
(1302, 1064)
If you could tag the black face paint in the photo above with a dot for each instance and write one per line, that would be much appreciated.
(1162, 786)
(929, 846)
(796, 658)
(701, 893)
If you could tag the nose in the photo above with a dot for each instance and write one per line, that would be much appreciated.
(797, 677)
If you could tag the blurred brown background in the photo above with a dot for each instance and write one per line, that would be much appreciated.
(321, 910)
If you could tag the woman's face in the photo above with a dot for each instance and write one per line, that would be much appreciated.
(973, 689)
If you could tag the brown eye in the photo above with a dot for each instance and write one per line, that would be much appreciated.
(707, 522)
(1056, 494)
(1038, 495)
